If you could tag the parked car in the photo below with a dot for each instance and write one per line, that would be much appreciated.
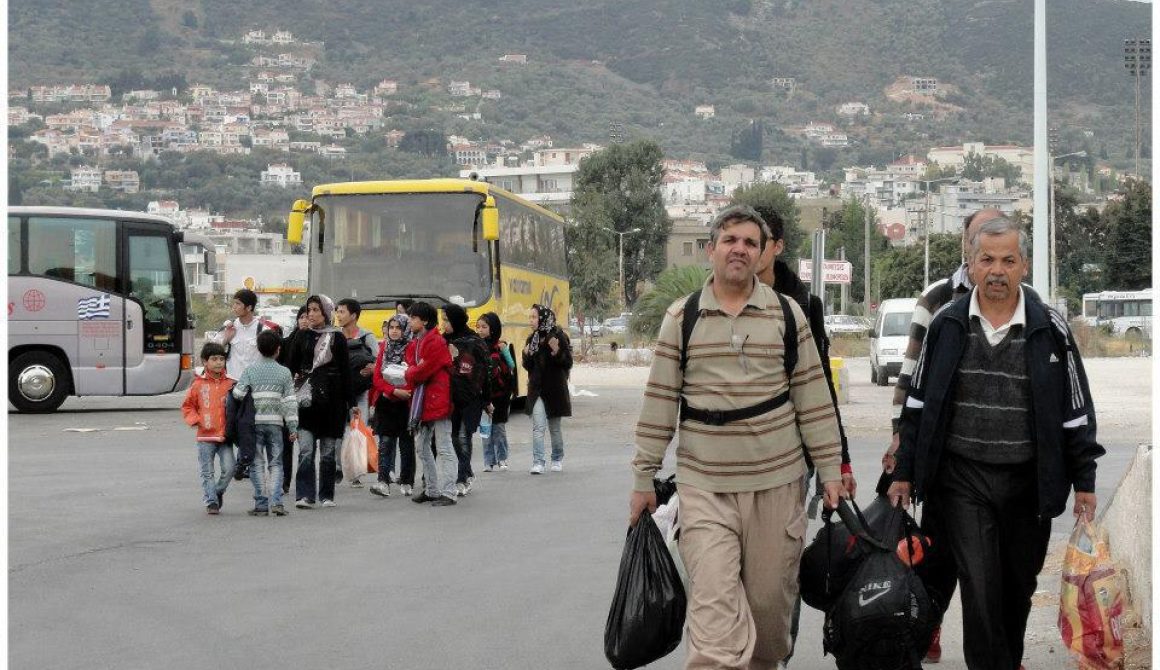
(616, 325)
(889, 338)
(842, 324)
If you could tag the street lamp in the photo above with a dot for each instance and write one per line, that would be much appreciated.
(926, 228)
(620, 255)
(1053, 270)
(1138, 60)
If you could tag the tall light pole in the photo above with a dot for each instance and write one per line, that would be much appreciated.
(1054, 269)
(1138, 60)
(623, 292)
(866, 260)
(926, 229)
(1041, 209)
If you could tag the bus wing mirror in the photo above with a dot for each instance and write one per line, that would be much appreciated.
(207, 246)
(296, 221)
(490, 220)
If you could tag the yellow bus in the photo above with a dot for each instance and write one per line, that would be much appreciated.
(437, 240)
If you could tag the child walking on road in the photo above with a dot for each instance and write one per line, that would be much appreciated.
(204, 408)
(274, 405)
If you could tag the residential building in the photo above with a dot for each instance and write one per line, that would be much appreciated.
(853, 109)
(924, 85)
(330, 152)
(85, 178)
(705, 111)
(1021, 157)
(469, 154)
(254, 37)
(460, 89)
(736, 176)
(682, 190)
(518, 59)
(126, 181)
(546, 185)
(281, 175)
(907, 166)
(386, 87)
(282, 37)
(492, 94)
(687, 243)
(835, 140)
(562, 157)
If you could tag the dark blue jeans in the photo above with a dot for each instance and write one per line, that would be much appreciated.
(464, 423)
(406, 446)
(305, 484)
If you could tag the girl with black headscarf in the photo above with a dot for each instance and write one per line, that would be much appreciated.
(392, 402)
(320, 355)
(501, 383)
(548, 360)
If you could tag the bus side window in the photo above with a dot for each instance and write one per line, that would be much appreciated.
(76, 250)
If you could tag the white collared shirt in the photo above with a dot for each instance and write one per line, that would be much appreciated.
(995, 335)
(243, 348)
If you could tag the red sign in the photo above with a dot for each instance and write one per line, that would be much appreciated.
(33, 300)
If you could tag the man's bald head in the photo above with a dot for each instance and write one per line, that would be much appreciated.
(975, 221)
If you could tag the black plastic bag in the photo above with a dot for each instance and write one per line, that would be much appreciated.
(647, 616)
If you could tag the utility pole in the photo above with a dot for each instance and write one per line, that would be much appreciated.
(1138, 60)
(1041, 209)
(866, 262)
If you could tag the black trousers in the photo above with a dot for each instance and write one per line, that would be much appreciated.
(464, 423)
(939, 572)
(287, 459)
(991, 513)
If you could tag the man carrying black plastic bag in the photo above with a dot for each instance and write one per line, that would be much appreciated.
(739, 458)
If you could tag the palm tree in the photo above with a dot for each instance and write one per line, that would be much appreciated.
(671, 285)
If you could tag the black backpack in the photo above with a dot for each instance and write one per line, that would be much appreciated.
(469, 370)
(884, 619)
(360, 356)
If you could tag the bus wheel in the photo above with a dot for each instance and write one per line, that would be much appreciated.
(37, 382)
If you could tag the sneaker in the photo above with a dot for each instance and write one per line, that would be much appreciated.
(356, 484)
(329, 503)
(503, 465)
(212, 508)
(303, 503)
(467, 487)
(460, 489)
(443, 502)
(537, 469)
(406, 489)
(557, 466)
(279, 510)
(285, 490)
(381, 489)
(934, 652)
(422, 498)
(259, 512)
(487, 468)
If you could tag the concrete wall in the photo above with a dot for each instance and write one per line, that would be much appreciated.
(1128, 520)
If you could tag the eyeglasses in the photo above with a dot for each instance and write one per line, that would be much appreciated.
(737, 345)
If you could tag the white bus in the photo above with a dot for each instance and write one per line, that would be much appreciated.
(97, 305)
(1124, 312)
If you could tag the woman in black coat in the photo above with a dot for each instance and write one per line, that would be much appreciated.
(319, 355)
(548, 360)
(300, 324)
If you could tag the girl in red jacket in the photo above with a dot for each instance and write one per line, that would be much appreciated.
(392, 404)
(429, 367)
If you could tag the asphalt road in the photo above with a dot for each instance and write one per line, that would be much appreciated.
(113, 562)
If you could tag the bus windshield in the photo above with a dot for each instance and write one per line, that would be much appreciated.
(400, 244)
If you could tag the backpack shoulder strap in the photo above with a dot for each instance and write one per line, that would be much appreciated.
(688, 322)
(789, 340)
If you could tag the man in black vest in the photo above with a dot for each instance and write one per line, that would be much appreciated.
(998, 425)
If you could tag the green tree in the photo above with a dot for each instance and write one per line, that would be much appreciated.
(1082, 240)
(189, 19)
(769, 199)
(747, 142)
(591, 269)
(846, 228)
(976, 168)
(1130, 253)
(898, 271)
(618, 189)
(671, 284)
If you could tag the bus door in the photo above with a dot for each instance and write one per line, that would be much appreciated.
(152, 334)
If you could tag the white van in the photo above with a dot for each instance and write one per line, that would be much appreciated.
(889, 337)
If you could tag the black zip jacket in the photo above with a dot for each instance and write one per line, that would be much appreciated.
(786, 282)
(1063, 420)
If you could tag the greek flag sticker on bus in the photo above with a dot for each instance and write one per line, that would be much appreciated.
(96, 307)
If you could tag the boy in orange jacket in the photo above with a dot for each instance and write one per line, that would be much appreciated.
(204, 408)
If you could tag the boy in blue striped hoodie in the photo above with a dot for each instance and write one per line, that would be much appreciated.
(274, 404)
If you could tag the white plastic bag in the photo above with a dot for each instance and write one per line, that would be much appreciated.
(395, 373)
(353, 455)
(668, 520)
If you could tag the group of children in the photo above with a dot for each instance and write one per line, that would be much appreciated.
(425, 385)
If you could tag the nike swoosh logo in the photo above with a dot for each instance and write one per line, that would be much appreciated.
(864, 601)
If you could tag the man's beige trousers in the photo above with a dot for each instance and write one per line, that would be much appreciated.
(741, 551)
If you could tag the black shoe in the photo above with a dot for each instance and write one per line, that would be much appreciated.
(221, 499)
(212, 508)
(259, 512)
(338, 476)
(241, 469)
(422, 498)
(443, 502)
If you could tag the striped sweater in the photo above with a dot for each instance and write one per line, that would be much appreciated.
(274, 399)
(736, 362)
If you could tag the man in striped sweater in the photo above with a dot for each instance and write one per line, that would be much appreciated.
(274, 405)
(939, 571)
(739, 453)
